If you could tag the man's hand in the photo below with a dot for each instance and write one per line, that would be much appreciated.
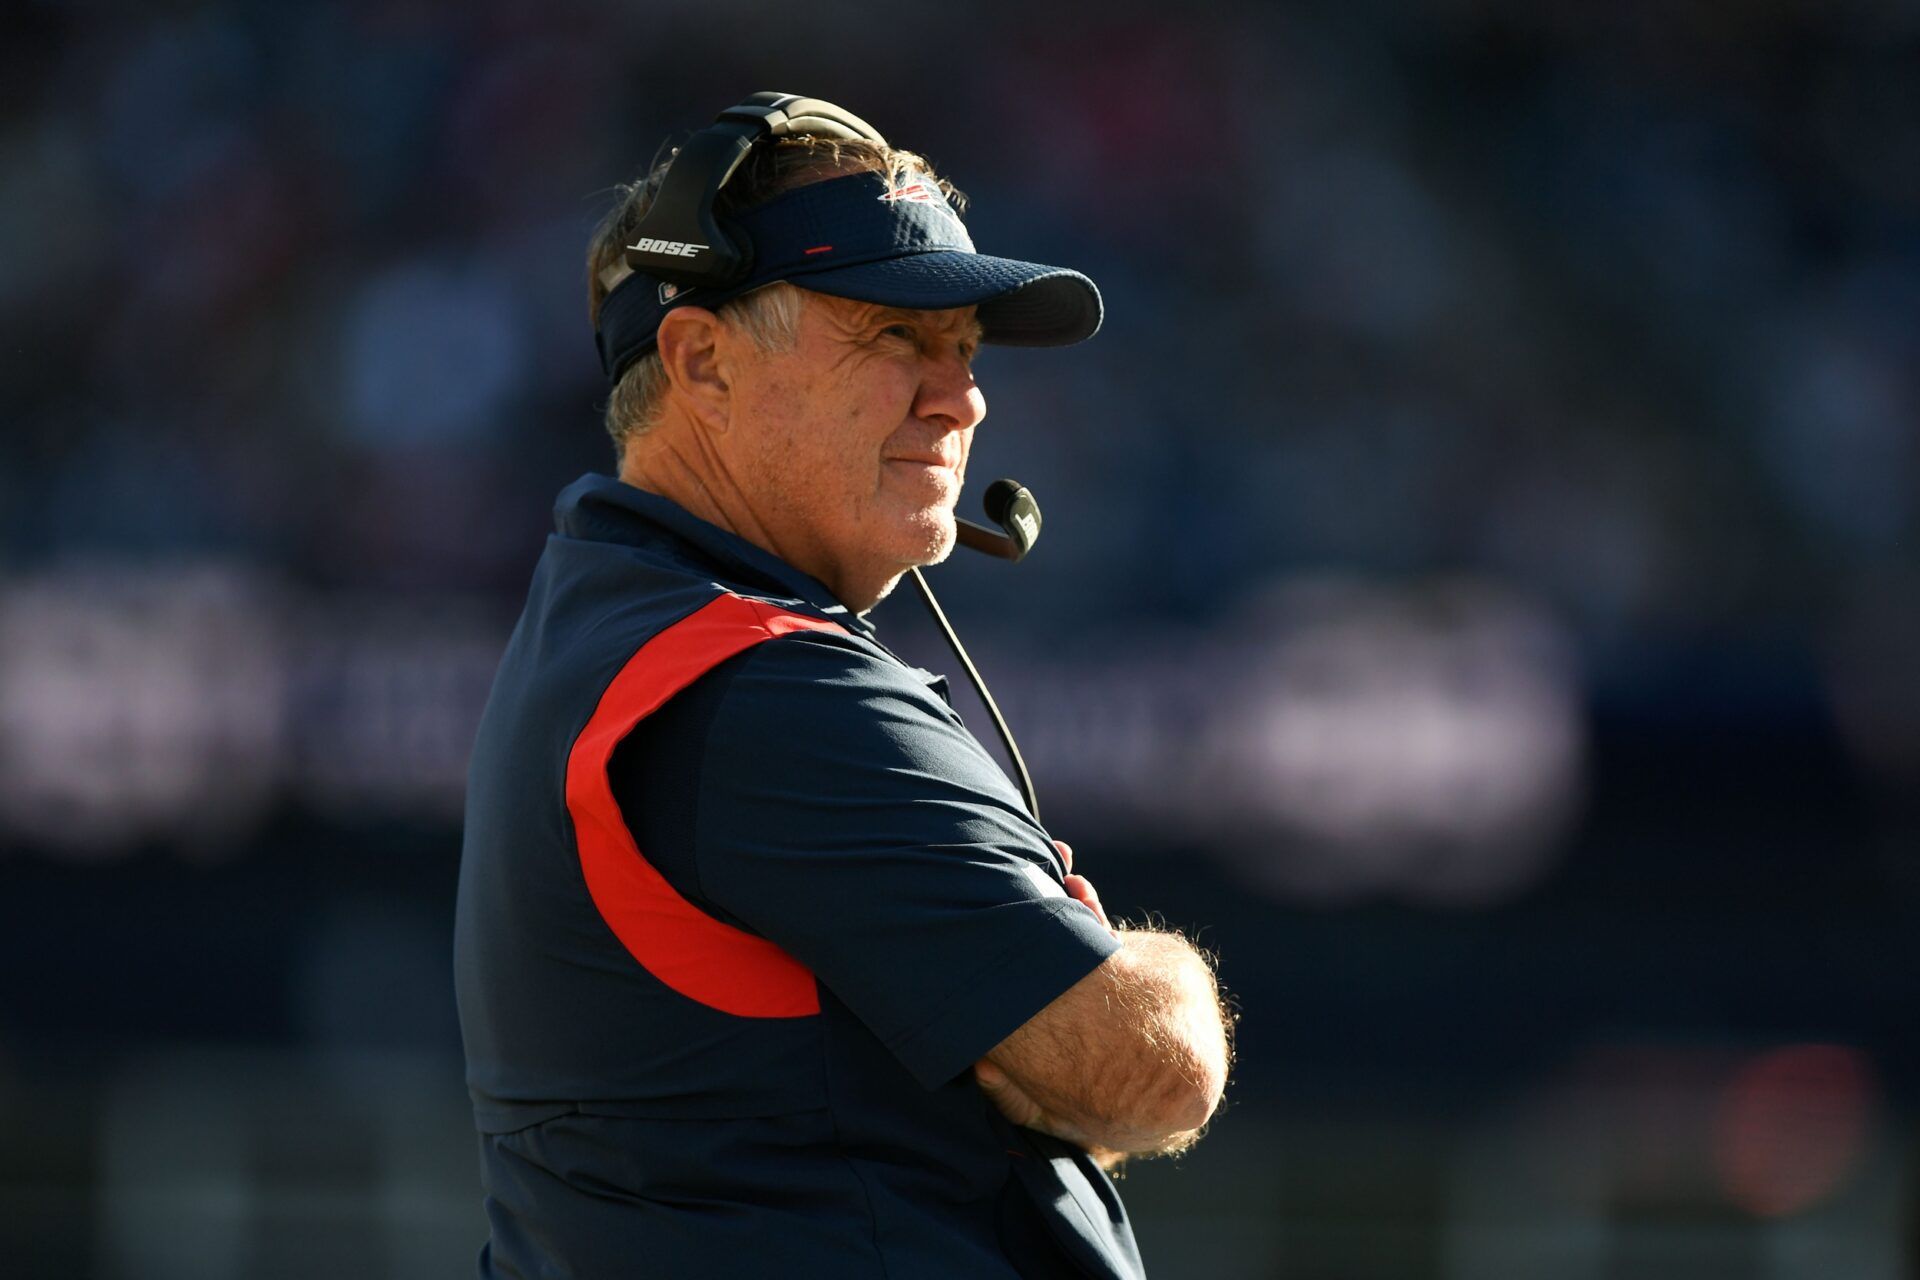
(1013, 1101)
(1080, 888)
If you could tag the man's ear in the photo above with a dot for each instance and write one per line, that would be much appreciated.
(690, 342)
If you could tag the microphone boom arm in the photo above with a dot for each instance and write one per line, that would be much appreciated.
(978, 537)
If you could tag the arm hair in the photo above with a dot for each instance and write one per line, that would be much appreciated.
(1132, 1059)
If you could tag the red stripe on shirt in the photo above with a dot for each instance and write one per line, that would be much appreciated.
(702, 958)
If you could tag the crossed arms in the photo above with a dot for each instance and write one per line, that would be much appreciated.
(811, 737)
(1132, 1059)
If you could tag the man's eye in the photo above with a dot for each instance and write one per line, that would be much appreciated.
(900, 331)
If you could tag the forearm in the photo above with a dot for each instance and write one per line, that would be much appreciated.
(1134, 1060)
(1158, 1101)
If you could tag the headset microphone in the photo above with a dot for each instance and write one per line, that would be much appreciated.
(1009, 505)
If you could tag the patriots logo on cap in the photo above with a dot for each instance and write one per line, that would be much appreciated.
(915, 188)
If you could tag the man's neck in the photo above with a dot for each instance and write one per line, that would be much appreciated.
(683, 467)
(700, 483)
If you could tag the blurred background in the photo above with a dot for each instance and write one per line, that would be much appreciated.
(1480, 595)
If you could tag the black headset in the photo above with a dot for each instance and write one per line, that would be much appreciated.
(678, 239)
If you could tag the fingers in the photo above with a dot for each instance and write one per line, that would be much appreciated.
(1081, 889)
(1011, 1101)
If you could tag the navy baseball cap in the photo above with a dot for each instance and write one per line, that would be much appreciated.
(872, 238)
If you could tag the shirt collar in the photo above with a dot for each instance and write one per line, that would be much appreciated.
(604, 509)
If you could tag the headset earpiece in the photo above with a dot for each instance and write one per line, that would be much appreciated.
(680, 240)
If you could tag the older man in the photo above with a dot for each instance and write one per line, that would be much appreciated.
(763, 968)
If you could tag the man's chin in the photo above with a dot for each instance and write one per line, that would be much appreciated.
(924, 536)
(941, 535)
(939, 550)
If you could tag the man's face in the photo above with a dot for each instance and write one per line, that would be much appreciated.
(852, 446)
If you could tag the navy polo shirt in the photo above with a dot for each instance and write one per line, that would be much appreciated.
(741, 901)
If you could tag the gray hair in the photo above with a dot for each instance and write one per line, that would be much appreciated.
(769, 316)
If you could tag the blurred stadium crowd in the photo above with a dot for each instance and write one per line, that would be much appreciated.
(1499, 473)
(1614, 311)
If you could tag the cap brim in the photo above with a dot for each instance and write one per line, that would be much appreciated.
(1022, 304)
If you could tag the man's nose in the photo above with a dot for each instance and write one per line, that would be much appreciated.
(948, 394)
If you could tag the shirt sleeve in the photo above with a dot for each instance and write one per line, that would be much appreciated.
(845, 813)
